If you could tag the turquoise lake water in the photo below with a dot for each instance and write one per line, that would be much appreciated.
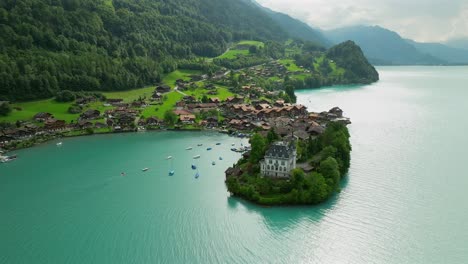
(403, 202)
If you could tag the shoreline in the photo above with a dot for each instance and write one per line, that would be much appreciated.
(6, 151)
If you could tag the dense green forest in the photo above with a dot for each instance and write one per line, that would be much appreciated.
(49, 45)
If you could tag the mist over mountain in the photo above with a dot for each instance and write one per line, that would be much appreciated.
(385, 47)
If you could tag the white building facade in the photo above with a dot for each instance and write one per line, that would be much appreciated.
(279, 160)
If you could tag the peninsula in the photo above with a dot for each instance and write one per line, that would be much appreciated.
(303, 164)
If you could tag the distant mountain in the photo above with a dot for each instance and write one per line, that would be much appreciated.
(459, 43)
(294, 27)
(298, 29)
(443, 52)
(382, 46)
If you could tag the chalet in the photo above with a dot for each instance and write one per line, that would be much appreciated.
(153, 121)
(279, 160)
(4, 139)
(279, 103)
(180, 104)
(100, 125)
(197, 108)
(90, 114)
(180, 112)
(54, 125)
(235, 100)
(83, 124)
(84, 100)
(156, 96)
(214, 100)
(126, 119)
(163, 89)
(189, 99)
(42, 116)
(138, 103)
(113, 101)
(212, 121)
(187, 119)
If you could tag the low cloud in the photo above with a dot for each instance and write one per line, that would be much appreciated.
(421, 20)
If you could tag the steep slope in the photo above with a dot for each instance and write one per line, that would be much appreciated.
(298, 29)
(350, 57)
(47, 46)
(443, 52)
(382, 46)
(295, 28)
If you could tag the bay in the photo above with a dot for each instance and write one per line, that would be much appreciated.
(402, 202)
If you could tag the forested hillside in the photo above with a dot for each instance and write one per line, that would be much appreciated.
(48, 45)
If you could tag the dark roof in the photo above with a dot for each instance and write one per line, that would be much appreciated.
(280, 149)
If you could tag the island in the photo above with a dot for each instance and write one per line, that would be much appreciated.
(293, 169)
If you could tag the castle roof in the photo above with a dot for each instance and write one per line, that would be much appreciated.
(281, 149)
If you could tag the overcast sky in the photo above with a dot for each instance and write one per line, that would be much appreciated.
(421, 20)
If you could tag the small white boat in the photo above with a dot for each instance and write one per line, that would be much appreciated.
(233, 144)
(189, 148)
(171, 173)
(59, 144)
(200, 145)
(145, 169)
(169, 157)
(196, 157)
(213, 163)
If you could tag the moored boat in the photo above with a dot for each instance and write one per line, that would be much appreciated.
(196, 157)
(189, 148)
(209, 149)
(145, 169)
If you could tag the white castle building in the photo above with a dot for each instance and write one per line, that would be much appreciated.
(279, 160)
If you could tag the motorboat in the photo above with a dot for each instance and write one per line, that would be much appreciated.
(196, 157)
(209, 149)
(220, 158)
(171, 173)
(218, 144)
(194, 167)
(197, 175)
(213, 163)
(145, 169)
(59, 144)
(200, 145)
(189, 148)
(169, 157)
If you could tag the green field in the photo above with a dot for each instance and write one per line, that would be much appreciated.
(259, 44)
(29, 109)
(223, 93)
(233, 53)
(171, 78)
(168, 104)
(290, 65)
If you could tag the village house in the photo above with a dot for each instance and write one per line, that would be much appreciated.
(54, 125)
(99, 125)
(279, 160)
(115, 101)
(90, 114)
(153, 121)
(214, 100)
(163, 89)
(84, 124)
(156, 96)
(42, 116)
(187, 119)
